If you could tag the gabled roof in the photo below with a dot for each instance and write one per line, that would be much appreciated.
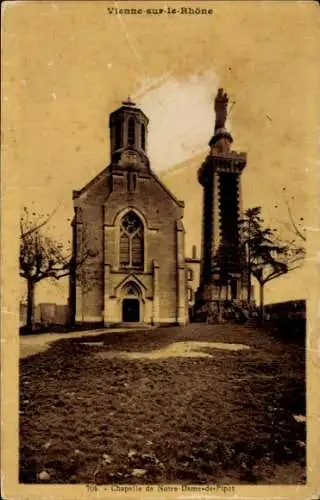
(77, 193)
(96, 179)
(178, 202)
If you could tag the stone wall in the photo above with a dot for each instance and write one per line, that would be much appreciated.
(46, 314)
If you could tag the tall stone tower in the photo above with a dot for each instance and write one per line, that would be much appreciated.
(223, 270)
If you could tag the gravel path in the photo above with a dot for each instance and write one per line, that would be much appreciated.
(32, 344)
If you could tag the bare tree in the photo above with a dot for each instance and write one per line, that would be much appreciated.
(42, 257)
(28, 226)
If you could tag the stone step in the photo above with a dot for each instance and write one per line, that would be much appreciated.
(135, 325)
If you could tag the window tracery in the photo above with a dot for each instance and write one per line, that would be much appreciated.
(131, 241)
(131, 289)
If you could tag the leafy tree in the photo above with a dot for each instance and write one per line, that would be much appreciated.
(268, 258)
(42, 257)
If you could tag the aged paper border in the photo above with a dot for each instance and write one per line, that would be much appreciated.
(10, 196)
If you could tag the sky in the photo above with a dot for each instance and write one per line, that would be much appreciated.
(68, 65)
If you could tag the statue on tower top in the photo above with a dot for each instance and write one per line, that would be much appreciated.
(220, 107)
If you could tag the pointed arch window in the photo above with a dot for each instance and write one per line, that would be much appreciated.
(131, 132)
(131, 241)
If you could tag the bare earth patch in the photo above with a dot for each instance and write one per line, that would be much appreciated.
(174, 350)
(158, 411)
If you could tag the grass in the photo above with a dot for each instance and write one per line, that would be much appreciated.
(227, 419)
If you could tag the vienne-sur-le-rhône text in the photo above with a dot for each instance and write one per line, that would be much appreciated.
(197, 11)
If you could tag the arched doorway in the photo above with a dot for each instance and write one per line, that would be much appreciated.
(130, 310)
(131, 303)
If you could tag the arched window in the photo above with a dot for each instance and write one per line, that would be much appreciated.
(143, 136)
(131, 131)
(131, 242)
(190, 274)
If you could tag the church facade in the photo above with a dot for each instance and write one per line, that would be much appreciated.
(128, 237)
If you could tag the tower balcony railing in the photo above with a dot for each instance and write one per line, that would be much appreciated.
(232, 155)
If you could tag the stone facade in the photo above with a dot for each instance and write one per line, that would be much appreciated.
(128, 232)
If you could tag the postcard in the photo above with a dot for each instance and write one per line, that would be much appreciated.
(160, 249)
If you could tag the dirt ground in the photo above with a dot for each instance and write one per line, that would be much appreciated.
(200, 404)
(33, 344)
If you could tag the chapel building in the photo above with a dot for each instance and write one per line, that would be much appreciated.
(128, 237)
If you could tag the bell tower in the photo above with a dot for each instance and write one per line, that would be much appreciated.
(128, 127)
(128, 131)
(223, 273)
